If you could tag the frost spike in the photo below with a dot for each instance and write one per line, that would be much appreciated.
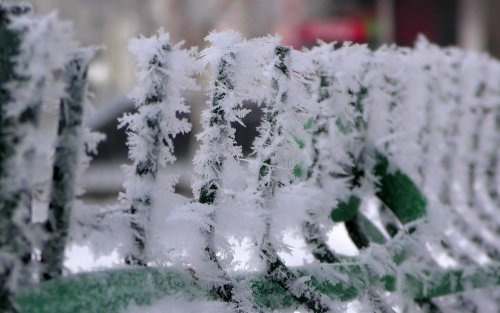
(28, 79)
(316, 241)
(15, 247)
(147, 168)
(210, 186)
(217, 139)
(146, 135)
(311, 230)
(349, 130)
(16, 155)
(357, 225)
(163, 71)
(69, 142)
(272, 136)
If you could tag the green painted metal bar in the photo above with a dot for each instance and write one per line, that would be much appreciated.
(396, 190)
(113, 290)
(65, 165)
(399, 192)
(346, 210)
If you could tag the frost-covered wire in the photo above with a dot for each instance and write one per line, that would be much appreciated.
(163, 73)
(65, 168)
(218, 148)
(268, 146)
(35, 49)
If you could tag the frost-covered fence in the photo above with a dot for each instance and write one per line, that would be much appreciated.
(65, 165)
(151, 130)
(398, 145)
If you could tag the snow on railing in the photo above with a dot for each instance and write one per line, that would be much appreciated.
(400, 145)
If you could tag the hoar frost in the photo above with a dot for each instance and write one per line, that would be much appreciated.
(163, 73)
(346, 134)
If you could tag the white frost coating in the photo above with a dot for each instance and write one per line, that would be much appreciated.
(90, 139)
(289, 205)
(163, 73)
(173, 75)
(254, 69)
(434, 112)
(45, 49)
(36, 83)
(102, 230)
(224, 103)
(181, 240)
(41, 37)
(218, 150)
(181, 305)
(281, 137)
(417, 106)
(444, 136)
(221, 44)
(337, 139)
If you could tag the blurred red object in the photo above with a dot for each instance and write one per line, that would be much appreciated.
(355, 29)
(345, 29)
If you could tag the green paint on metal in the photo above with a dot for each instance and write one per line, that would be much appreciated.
(297, 171)
(399, 192)
(112, 291)
(346, 210)
(299, 141)
(370, 230)
(308, 125)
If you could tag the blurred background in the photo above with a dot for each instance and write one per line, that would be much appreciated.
(470, 24)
